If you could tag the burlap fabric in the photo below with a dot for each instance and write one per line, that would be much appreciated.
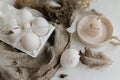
(16, 65)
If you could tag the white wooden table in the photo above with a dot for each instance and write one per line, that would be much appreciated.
(111, 9)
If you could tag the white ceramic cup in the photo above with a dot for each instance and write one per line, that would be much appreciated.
(109, 38)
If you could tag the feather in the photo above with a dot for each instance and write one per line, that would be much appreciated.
(94, 59)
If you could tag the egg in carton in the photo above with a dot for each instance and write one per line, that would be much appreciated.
(20, 29)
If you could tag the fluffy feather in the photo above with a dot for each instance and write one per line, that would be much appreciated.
(94, 60)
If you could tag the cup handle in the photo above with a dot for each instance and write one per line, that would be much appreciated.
(116, 40)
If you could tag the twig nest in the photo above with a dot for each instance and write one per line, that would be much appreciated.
(40, 26)
(24, 16)
(30, 41)
(69, 58)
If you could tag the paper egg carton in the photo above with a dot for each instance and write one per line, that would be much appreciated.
(8, 11)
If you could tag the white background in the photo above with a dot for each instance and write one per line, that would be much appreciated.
(111, 9)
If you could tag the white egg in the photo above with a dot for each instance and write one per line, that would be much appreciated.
(24, 16)
(13, 30)
(30, 41)
(14, 34)
(52, 3)
(40, 26)
(41, 22)
(69, 58)
(27, 27)
(11, 22)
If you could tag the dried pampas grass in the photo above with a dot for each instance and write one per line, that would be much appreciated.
(94, 60)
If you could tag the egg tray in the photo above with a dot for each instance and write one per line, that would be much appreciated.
(34, 53)
(3, 37)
